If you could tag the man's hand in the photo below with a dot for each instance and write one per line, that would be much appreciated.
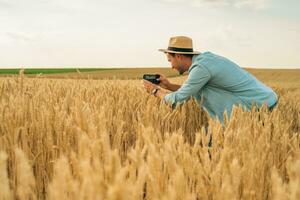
(149, 86)
(164, 82)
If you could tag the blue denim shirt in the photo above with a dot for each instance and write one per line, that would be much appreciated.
(222, 84)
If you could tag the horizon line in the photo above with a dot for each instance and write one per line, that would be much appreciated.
(125, 67)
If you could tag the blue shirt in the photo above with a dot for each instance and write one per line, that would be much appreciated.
(222, 84)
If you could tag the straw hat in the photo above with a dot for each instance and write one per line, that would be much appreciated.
(180, 45)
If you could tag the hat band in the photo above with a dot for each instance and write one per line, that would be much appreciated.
(180, 49)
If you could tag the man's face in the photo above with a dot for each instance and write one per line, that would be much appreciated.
(176, 63)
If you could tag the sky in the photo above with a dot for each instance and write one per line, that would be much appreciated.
(128, 33)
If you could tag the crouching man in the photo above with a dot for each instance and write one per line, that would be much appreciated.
(220, 82)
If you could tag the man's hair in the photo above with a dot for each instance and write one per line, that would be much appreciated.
(186, 55)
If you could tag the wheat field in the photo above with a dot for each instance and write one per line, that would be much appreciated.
(109, 139)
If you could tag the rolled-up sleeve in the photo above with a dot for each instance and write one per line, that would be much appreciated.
(198, 77)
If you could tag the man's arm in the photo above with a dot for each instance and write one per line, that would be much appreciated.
(197, 78)
(173, 87)
(160, 94)
(166, 84)
(155, 90)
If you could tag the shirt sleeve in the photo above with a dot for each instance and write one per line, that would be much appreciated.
(197, 78)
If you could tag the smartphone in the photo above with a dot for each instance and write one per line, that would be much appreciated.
(153, 78)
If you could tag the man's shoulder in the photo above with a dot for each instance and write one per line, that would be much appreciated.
(214, 63)
(198, 70)
(202, 55)
(204, 58)
(201, 60)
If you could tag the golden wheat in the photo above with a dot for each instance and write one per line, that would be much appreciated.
(108, 139)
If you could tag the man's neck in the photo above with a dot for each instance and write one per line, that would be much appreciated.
(188, 63)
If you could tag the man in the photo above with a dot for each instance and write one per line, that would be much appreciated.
(220, 82)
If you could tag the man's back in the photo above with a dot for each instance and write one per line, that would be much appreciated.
(222, 84)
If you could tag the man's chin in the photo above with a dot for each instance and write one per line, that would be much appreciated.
(180, 72)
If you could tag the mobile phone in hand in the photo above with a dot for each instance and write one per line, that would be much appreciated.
(153, 78)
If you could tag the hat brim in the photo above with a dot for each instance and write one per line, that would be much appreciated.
(169, 51)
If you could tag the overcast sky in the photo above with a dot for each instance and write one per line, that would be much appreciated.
(128, 33)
